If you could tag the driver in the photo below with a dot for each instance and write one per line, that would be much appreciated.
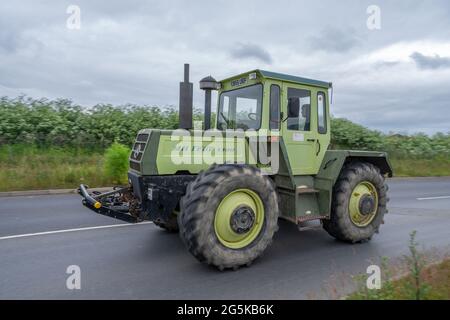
(305, 121)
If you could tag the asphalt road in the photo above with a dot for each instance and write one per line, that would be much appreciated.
(143, 262)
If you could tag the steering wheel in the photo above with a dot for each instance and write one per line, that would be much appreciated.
(252, 116)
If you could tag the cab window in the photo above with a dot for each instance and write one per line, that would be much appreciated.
(321, 113)
(240, 108)
(274, 107)
(299, 110)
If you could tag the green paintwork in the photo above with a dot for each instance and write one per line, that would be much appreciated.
(363, 188)
(193, 162)
(222, 219)
(148, 161)
(305, 149)
(281, 77)
(302, 165)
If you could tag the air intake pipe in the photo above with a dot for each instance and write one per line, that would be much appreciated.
(208, 84)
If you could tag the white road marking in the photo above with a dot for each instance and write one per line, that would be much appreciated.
(72, 230)
(434, 198)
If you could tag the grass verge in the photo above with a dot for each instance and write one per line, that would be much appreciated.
(435, 286)
(27, 167)
(417, 277)
(421, 167)
(31, 168)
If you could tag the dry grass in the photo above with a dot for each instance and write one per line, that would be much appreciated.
(435, 280)
(421, 167)
(26, 167)
(30, 168)
(420, 275)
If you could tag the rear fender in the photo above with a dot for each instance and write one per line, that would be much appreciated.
(334, 160)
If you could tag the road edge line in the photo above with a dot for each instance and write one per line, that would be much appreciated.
(6, 194)
(43, 233)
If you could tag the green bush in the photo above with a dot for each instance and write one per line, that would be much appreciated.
(62, 123)
(346, 134)
(116, 162)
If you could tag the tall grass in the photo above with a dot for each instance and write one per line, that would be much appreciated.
(26, 167)
(419, 167)
(417, 277)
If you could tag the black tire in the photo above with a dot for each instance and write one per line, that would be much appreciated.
(340, 225)
(198, 210)
(170, 226)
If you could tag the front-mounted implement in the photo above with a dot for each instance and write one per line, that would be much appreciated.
(118, 203)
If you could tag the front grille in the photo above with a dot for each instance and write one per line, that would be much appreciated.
(136, 156)
(142, 137)
(138, 151)
(135, 165)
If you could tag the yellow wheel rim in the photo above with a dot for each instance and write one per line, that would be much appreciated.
(239, 218)
(363, 205)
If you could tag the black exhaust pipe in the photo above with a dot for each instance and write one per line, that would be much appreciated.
(185, 107)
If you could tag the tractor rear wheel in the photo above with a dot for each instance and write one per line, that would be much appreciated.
(359, 203)
(229, 215)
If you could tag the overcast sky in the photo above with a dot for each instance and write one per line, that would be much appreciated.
(396, 78)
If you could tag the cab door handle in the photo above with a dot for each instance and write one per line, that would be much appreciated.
(320, 147)
(311, 140)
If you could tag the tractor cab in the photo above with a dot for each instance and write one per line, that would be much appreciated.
(297, 108)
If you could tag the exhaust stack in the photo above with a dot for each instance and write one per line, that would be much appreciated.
(185, 111)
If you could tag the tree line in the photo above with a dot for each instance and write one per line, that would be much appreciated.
(62, 123)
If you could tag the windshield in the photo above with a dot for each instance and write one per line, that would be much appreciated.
(240, 108)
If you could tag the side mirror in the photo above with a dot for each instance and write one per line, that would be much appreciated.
(293, 107)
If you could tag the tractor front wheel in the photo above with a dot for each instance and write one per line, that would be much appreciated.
(229, 215)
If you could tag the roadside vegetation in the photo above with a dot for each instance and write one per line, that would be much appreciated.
(58, 144)
(416, 278)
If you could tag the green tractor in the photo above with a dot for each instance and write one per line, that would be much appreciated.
(265, 158)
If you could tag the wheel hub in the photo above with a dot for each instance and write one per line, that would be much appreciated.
(366, 204)
(239, 218)
(363, 204)
(242, 219)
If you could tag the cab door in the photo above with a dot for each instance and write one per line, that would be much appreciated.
(298, 128)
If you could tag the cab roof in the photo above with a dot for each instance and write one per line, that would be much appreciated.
(285, 77)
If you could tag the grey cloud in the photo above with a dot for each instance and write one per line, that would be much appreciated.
(398, 109)
(334, 39)
(385, 64)
(8, 42)
(249, 50)
(133, 52)
(430, 62)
